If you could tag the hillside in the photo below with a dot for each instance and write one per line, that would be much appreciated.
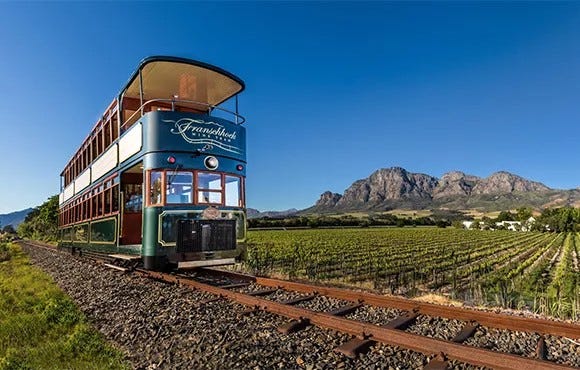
(397, 188)
(14, 218)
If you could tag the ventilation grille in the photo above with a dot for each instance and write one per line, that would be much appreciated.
(206, 235)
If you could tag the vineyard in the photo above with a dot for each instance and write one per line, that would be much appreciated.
(537, 271)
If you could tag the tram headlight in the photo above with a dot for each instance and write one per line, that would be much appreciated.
(171, 160)
(211, 162)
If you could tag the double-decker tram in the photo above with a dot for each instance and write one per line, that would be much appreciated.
(161, 175)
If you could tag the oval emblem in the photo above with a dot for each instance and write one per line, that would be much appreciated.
(211, 213)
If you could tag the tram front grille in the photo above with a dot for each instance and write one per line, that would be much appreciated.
(206, 235)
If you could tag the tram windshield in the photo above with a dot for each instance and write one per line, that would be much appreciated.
(180, 189)
(195, 187)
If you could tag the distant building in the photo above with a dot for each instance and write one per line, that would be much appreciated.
(508, 225)
(467, 224)
(511, 225)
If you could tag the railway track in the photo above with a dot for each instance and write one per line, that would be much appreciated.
(336, 309)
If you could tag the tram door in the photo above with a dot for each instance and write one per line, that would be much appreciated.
(132, 218)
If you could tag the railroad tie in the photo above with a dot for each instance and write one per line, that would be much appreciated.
(263, 292)
(234, 286)
(437, 363)
(248, 311)
(291, 302)
(345, 310)
(355, 346)
(466, 332)
(402, 322)
(293, 326)
(541, 349)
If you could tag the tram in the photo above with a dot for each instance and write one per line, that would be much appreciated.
(161, 176)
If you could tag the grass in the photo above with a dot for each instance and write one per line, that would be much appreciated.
(40, 326)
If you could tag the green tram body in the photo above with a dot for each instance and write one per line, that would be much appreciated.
(162, 153)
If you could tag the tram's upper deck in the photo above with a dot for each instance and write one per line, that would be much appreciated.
(160, 83)
(169, 83)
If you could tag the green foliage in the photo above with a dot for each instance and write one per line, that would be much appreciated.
(523, 214)
(8, 229)
(559, 219)
(440, 218)
(41, 328)
(505, 216)
(505, 268)
(458, 224)
(4, 253)
(42, 222)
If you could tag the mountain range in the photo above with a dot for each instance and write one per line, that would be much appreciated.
(14, 218)
(397, 188)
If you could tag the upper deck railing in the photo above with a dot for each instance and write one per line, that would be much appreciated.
(237, 118)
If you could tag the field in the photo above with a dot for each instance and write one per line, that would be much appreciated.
(40, 327)
(537, 271)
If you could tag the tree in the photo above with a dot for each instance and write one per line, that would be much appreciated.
(488, 223)
(8, 229)
(505, 216)
(523, 214)
(42, 222)
(458, 224)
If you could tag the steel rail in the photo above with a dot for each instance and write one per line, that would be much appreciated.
(385, 334)
(490, 319)
(428, 346)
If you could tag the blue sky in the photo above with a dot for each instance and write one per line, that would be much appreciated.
(334, 90)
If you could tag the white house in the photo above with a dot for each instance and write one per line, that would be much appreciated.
(511, 225)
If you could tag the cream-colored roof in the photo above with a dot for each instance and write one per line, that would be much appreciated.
(166, 79)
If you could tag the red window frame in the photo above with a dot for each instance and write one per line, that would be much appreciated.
(195, 189)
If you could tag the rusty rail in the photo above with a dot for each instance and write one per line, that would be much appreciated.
(366, 334)
(428, 346)
(490, 319)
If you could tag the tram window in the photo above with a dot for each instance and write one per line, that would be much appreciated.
(100, 204)
(179, 188)
(155, 188)
(85, 209)
(133, 195)
(233, 191)
(94, 206)
(115, 198)
(209, 181)
(107, 201)
(115, 127)
(209, 197)
(107, 134)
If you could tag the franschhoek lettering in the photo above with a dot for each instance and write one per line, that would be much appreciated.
(198, 132)
(184, 125)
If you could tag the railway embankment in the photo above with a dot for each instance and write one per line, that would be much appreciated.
(161, 325)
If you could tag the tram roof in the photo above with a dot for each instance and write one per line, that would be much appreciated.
(164, 77)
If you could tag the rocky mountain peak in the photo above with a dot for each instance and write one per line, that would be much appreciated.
(506, 182)
(455, 183)
(394, 183)
(328, 199)
(395, 187)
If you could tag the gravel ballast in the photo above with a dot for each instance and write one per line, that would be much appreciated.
(162, 326)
